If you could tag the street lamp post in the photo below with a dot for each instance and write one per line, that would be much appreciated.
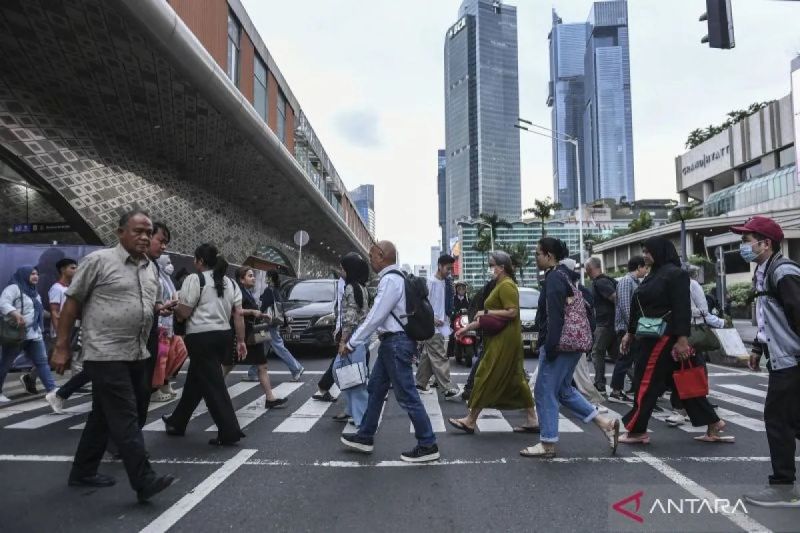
(682, 209)
(563, 137)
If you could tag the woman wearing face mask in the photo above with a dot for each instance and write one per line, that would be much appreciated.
(500, 377)
(171, 348)
(256, 355)
(559, 296)
(663, 294)
(20, 304)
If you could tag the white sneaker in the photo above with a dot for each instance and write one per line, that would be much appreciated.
(4, 398)
(675, 419)
(56, 402)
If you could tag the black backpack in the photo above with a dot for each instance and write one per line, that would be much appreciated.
(769, 287)
(419, 311)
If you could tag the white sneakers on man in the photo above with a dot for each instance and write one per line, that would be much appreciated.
(56, 402)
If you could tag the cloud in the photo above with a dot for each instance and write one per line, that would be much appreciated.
(360, 127)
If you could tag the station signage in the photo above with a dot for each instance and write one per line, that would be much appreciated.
(41, 227)
(457, 27)
(706, 159)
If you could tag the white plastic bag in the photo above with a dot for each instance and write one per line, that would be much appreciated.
(349, 374)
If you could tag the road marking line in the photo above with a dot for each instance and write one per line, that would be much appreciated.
(170, 517)
(737, 517)
(741, 420)
(20, 408)
(434, 410)
(492, 421)
(233, 391)
(565, 425)
(741, 388)
(686, 426)
(302, 420)
(255, 409)
(351, 429)
(736, 371)
(52, 418)
(150, 408)
(735, 400)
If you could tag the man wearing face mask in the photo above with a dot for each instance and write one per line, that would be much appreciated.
(777, 288)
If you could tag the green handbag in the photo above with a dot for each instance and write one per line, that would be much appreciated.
(703, 339)
(650, 327)
(11, 333)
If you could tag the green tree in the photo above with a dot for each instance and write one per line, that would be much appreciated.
(493, 221)
(693, 211)
(543, 210)
(699, 136)
(642, 222)
(482, 246)
(520, 256)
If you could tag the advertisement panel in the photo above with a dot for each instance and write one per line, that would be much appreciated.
(796, 111)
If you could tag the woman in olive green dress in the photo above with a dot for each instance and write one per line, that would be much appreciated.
(500, 378)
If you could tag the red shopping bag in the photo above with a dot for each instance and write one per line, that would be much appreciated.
(690, 381)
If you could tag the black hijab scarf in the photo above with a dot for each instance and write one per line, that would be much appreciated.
(356, 273)
(663, 252)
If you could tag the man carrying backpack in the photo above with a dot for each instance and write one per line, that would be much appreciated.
(777, 288)
(400, 327)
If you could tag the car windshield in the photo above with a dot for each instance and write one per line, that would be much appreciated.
(312, 292)
(528, 299)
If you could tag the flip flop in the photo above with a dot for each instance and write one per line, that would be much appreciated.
(538, 451)
(526, 429)
(625, 439)
(716, 438)
(461, 426)
(613, 437)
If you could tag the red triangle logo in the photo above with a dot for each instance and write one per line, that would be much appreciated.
(620, 507)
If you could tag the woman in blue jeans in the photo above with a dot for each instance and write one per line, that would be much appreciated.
(355, 306)
(556, 364)
(21, 304)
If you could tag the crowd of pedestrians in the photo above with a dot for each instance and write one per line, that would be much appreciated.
(119, 322)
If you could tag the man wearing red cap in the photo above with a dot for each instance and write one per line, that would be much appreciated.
(777, 288)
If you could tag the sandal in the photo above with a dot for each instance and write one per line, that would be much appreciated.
(526, 429)
(538, 451)
(710, 437)
(613, 436)
(160, 396)
(461, 426)
(627, 439)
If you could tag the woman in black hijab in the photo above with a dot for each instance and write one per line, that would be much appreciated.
(664, 294)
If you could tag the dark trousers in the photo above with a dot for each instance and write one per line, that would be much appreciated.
(605, 341)
(471, 378)
(654, 374)
(73, 384)
(326, 382)
(118, 391)
(623, 366)
(204, 381)
(782, 422)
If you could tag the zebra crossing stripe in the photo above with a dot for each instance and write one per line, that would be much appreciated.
(233, 391)
(565, 425)
(434, 410)
(735, 400)
(255, 409)
(741, 420)
(150, 408)
(52, 418)
(302, 420)
(747, 390)
(350, 429)
(492, 421)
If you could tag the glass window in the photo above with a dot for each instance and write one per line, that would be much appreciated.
(260, 88)
(313, 291)
(281, 116)
(786, 156)
(234, 37)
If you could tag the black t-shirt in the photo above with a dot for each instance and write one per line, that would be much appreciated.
(603, 289)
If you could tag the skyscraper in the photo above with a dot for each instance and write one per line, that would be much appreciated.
(481, 106)
(607, 123)
(441, 187)
(364, 200)
(590, 96)
(566, 98)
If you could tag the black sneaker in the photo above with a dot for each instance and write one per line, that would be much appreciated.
(96, 480)
(451, 394)
(327, 397)
(619, 397)
(154, 487)
(775, 496)
(29, 383)
(358, 443)
(421, 454)
(277, 402)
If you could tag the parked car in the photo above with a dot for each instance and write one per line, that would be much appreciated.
(528, 303)
(309, 307)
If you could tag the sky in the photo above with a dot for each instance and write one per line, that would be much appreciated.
(369, 76)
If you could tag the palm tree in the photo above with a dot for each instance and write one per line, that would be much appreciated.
(520, 256)
(543, 209)
(493, 221)
(642, 222)
(482, 245)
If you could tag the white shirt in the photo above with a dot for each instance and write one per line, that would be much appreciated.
(436, 296)
(391, 298)
(340, 284)
(212, 313)
(56, 295)
(698, 299)
(10, 301)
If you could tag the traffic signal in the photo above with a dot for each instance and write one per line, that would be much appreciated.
(720, 24)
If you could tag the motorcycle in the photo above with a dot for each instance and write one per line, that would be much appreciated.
(464, 348)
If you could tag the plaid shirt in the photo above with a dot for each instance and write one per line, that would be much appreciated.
(625, 288)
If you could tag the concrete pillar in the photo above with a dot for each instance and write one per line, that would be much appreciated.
(683, 197)
(737, 176)
(689, 243)
(708, 188)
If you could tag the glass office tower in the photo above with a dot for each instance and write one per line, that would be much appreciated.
(481, 106)
(566, 98)
(441, 188)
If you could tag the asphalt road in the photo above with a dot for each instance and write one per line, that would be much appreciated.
(292, 474)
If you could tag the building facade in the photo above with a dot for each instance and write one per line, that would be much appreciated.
(175, 107)
(566, 99)
(436, 252)
(363, 198)
(481, 105)
(441, 194)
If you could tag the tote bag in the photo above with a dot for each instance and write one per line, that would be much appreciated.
(349, 374)
(576, 334)
(690, 381)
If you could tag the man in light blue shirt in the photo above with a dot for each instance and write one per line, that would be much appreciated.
(396, 352)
